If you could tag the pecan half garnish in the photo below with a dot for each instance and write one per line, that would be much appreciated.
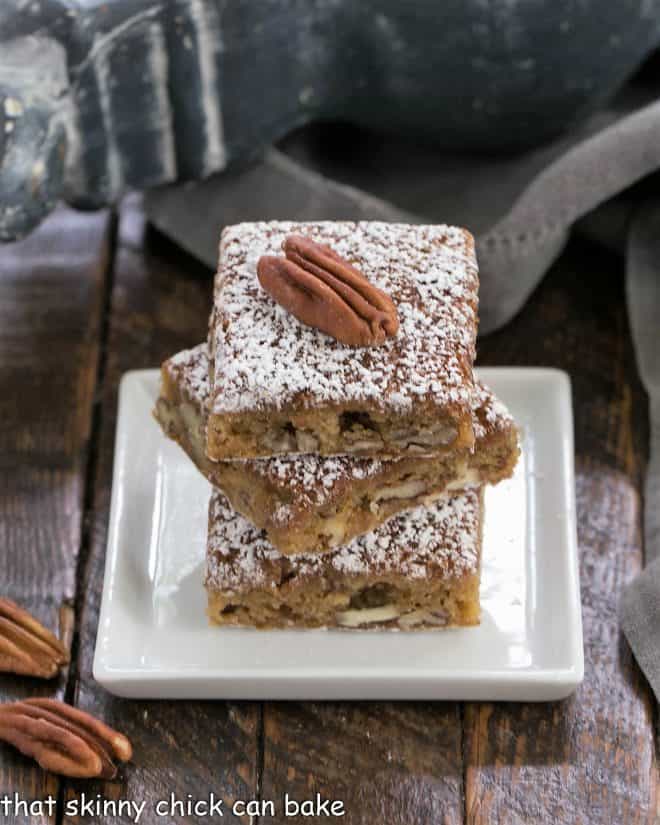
(63, 739)
(327, 292)
(26, 646)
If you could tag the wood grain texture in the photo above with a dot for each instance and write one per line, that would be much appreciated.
(51, 288)
(395, 763)
(160, 304)
(590, 758)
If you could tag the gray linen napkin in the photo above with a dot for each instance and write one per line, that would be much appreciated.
(640, 615)
(521, 210)
(520, 207)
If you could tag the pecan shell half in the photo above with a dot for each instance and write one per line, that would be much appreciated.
(26, 646)
(323, 290)
(63, 739)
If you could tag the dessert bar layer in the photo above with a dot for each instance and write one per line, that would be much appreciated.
(312, 503)
(281, 387)
(418, 570)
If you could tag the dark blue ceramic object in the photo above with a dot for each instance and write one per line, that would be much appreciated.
(97, 96)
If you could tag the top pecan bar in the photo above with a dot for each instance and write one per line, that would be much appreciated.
(280, 386)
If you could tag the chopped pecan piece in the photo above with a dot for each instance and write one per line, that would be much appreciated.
(324, 291)
(63, 739)
(26, 646)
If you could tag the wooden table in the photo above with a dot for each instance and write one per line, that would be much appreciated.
(89, 296)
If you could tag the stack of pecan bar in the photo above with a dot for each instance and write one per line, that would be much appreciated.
(335, 412)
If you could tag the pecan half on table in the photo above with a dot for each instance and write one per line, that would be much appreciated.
(63, 739)
(26, 646)
(323, 290)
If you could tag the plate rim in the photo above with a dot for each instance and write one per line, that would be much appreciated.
(558, 682)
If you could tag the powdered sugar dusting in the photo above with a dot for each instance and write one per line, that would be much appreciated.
(443, 539)
(266, 359)
(489, 414)
(190, 370)
(310, 482)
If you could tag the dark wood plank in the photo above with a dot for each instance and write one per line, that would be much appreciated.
(160, 304)
(51, 292)
(395, 763)
(590, 758)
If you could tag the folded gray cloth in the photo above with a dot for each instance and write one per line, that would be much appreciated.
(641, 603)
(640, 619)
(521, 209)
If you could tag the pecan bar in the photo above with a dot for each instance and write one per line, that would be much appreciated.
(418, 570)
(313, 503)
(280, 386)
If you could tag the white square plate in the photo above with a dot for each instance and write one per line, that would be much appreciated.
(154, 640)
